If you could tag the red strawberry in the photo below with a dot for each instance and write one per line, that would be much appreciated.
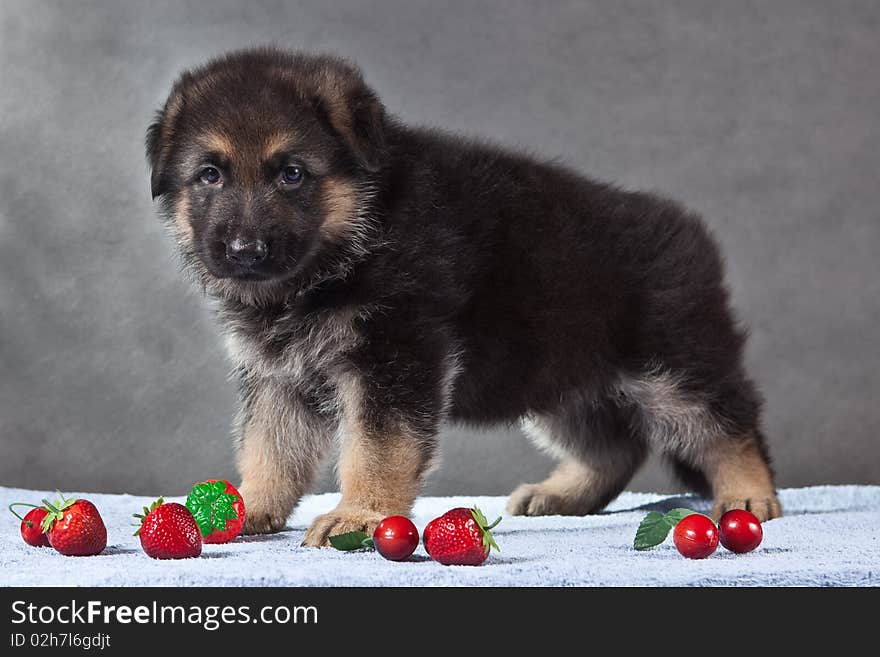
(74, 527)
(31, 525)
(218, 509)
(168, 531)
(460, 537)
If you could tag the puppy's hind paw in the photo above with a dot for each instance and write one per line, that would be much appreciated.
(764, 507)
(533, 500)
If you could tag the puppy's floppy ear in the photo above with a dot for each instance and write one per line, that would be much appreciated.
(353, 111)
(159, 141)
(158, 184)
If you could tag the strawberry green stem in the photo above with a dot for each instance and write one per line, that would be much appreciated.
(497, 520)
(49, 506)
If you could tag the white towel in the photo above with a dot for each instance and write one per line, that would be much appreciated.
(828, 537)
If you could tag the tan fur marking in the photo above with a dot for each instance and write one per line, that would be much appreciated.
(569, 490)
(336, 93)
(381, 473)
(276, 143)
(380, 476)
(217, 141)
(340, 117)
(340, 206)
(182, 225)
(332, 91)
(266, 487)
(281, 446)
(740, 478)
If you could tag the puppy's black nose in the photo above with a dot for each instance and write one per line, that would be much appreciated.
(246, 253)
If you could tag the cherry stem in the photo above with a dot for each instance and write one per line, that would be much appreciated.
(497, 520)
(11, 510)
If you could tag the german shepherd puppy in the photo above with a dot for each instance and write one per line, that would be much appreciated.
(375, 279)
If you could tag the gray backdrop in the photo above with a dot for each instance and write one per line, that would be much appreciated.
(761, 115)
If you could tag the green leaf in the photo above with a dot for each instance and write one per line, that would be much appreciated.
(675, 516)
(351, 541)
(655, 527)
(54, 511)
(48, 520)
(485, 527)
(147, 511)
(652, 531)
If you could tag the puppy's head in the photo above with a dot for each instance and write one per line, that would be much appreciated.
(265, 163)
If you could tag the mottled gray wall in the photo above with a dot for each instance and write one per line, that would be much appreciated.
(761, 115)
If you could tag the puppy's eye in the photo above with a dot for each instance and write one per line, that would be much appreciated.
(291, 175)
(210, 175)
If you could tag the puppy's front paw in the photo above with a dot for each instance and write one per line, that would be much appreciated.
(264, 514)
(339, 521)
(765, 506)
(257, 522)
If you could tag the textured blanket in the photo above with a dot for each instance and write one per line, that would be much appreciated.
(829, 537)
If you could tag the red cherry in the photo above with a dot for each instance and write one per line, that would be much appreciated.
(695, 536)
(395, 538)
(31, 528)
(740, 531)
